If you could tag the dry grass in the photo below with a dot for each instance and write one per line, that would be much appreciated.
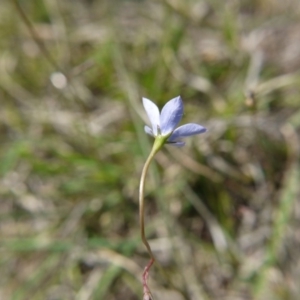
(222, 213)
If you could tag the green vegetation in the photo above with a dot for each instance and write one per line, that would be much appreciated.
(222, 213)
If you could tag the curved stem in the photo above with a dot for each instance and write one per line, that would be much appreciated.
(158, 143)
(142, 202)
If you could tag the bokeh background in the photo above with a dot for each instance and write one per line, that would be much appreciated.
(223, 213)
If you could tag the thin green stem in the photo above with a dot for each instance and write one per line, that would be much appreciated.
(142, 200)
(158, 143)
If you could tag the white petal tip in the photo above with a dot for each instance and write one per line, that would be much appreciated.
(148, 130)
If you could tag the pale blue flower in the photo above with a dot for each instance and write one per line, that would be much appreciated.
(164, 123)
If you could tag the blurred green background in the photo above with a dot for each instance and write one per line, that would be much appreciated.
(222, 213)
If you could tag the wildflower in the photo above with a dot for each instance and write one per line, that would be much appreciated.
(164, 131)
(164, 123)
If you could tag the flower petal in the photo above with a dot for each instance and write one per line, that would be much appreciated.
(187, 130)
(148, 130)
(153, 114)
(176, 144)
(171, 115)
